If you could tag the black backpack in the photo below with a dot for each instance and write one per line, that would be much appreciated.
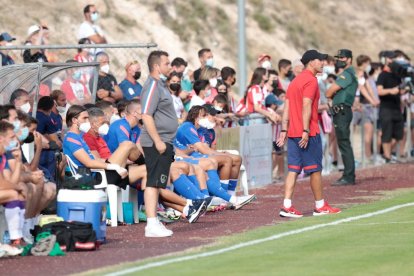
(71, 236)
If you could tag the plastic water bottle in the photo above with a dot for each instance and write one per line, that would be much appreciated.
(6, 237)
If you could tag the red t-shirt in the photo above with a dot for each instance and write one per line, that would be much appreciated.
(303, 86)
(97, 143)
(74, 90)
(254, 96)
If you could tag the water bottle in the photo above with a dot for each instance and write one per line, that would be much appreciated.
(6, 237)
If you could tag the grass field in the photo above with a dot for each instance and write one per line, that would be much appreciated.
(382, 244)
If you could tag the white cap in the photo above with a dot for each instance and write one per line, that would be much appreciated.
(32, 29)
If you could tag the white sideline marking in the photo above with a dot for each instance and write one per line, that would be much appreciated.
(254, 242)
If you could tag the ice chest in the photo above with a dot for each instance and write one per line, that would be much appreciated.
(85, 206)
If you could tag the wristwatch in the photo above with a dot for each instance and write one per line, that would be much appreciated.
(283, 130)
(306, 130)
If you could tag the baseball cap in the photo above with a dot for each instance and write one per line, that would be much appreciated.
(32, 29)
(262, 57)
(388, 54)
(344, 53)
(211, 110)
(6, 37)
(271, 99)
(310, 55)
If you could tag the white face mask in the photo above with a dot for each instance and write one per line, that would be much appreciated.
(25, 108)
(266, 64)
(211, 125)
(61, 109)
(213, 82)
(368, 69)
(329, 69)
(210, 62)
(103, 129)
(105, 68)
(204, 122)
(114, 118)
(94, 16)
(218, 108)
(85, 127)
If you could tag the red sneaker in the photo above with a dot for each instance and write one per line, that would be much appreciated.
(290, 212)
(326, 210)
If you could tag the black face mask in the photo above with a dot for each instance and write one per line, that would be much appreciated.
(175, 87)
(340, 64)
(290, 75)
(275, 85)
(137, 75)
(234, 82)
(29, 139)
(140, 122)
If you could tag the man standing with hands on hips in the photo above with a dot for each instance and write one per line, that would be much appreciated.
(160, 127)
(300, 128)
(343, 94)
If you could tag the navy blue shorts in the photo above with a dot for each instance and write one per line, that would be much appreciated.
(309, 159)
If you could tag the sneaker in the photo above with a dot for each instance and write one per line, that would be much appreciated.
(243, 200)
(290, 212)
(196, 209)
(216, 201)
(10, 251)
(157, 230)
(326, 210)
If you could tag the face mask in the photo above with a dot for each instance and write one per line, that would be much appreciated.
(175, 87)
(12, 145)
(211, 125)
(141, 122)
(275, 85)
(324, 76)
(114, 118)
(361, 81)
(163, 77)
(25, 108)
(24, 133)
(77, 75)
(210, 62)
(368, 69)
(204, 122)
(85, 127)
(105, 68)
(137, 75)
(103, 129)
(383, 60)
(340, 64)
(29, 139)
(329, 69)
(208, 93)
(61, 109)
(266, 64)
(328, 85)
(290, 75)
(213, 82)
(218, 108)
(234, 82)
(94, 16)
(16, 125)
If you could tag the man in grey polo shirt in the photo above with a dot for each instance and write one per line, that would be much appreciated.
(160, 127)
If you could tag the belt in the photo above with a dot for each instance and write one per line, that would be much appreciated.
(337, 108)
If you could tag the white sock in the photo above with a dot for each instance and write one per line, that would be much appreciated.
(13, 222)
(225, 181)
(189, 202)
(319, 203)
(233, 199)
(152, 221)
(186, 208)
(232, 193)
(287, 203)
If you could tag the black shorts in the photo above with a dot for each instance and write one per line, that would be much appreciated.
(113, 178)
(158, 165)
(392, 124)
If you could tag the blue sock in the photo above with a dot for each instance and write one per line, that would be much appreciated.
(205, 192)
(213, 185)
(232, 184)
(224, 184)
(194, 180)
(186, 188)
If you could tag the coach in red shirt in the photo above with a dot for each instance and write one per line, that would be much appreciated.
(300, 122)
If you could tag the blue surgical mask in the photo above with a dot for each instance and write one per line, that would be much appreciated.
(94, 16)
(16, 125)
(12, 145)
(163, 77)
(77, 75)
(210, 62)
(23, 134)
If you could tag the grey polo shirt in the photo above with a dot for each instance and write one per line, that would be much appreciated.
(157, 101)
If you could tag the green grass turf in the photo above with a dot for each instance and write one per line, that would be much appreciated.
(380, 245)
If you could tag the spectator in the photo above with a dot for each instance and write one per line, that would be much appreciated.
(264, 61)
(212, 75)
(285, 73)
(76, 92)
(174, 86)
(89, 28)
(35, 36)
(85, 55)
(228, 75)
(179, 65)
(131, 88)
(297, 67)
(20, 99)
(5, 41)
(107, 87)
(205, 56)
(201, 88)
(108, 108)
(59, 109)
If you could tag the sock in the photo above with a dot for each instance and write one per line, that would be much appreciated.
(12, 214)
(186, 208)
(141, 198)
(194, 180)
(152, 221)
(213, 185)
(205, 192)
(319, 203)
(233, 184)
(224, 184)
(186, 188)
(287, 203)
(233, 200)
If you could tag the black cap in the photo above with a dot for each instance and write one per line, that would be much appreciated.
(211, 110)
(344, 53)
(311, 55)
(388, 54)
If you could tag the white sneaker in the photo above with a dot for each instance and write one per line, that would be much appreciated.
(217, 201)
(157, 230)
(9, 251)
(243, 200)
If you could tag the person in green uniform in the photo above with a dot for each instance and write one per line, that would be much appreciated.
(342, 93)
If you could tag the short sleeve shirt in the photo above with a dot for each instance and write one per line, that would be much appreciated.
(86, 29)
(349, 84)
(45, 124)
(254, 96)
(106, 82)
(74, 90)
(130, 90)
(305, 85)
(186, 135)
(98, 144)
(36, 57)
(389, 80)
(57, 121)
(156, 101)
(207, 136)
(120, 131)
(72, 143)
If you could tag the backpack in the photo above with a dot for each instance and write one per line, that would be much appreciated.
(71, 236)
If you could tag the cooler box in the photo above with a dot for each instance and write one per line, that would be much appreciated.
(85, 206)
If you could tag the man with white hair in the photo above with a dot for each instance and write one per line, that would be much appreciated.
(297, 67)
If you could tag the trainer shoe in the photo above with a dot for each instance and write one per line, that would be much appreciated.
(243, 200)
(326, 210)
(196, 209)
(9, 251)
(290, 212)
(157, 230)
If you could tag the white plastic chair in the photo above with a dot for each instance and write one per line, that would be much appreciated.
(243, 174)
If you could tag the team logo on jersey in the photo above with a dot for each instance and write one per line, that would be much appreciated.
(163, 178)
